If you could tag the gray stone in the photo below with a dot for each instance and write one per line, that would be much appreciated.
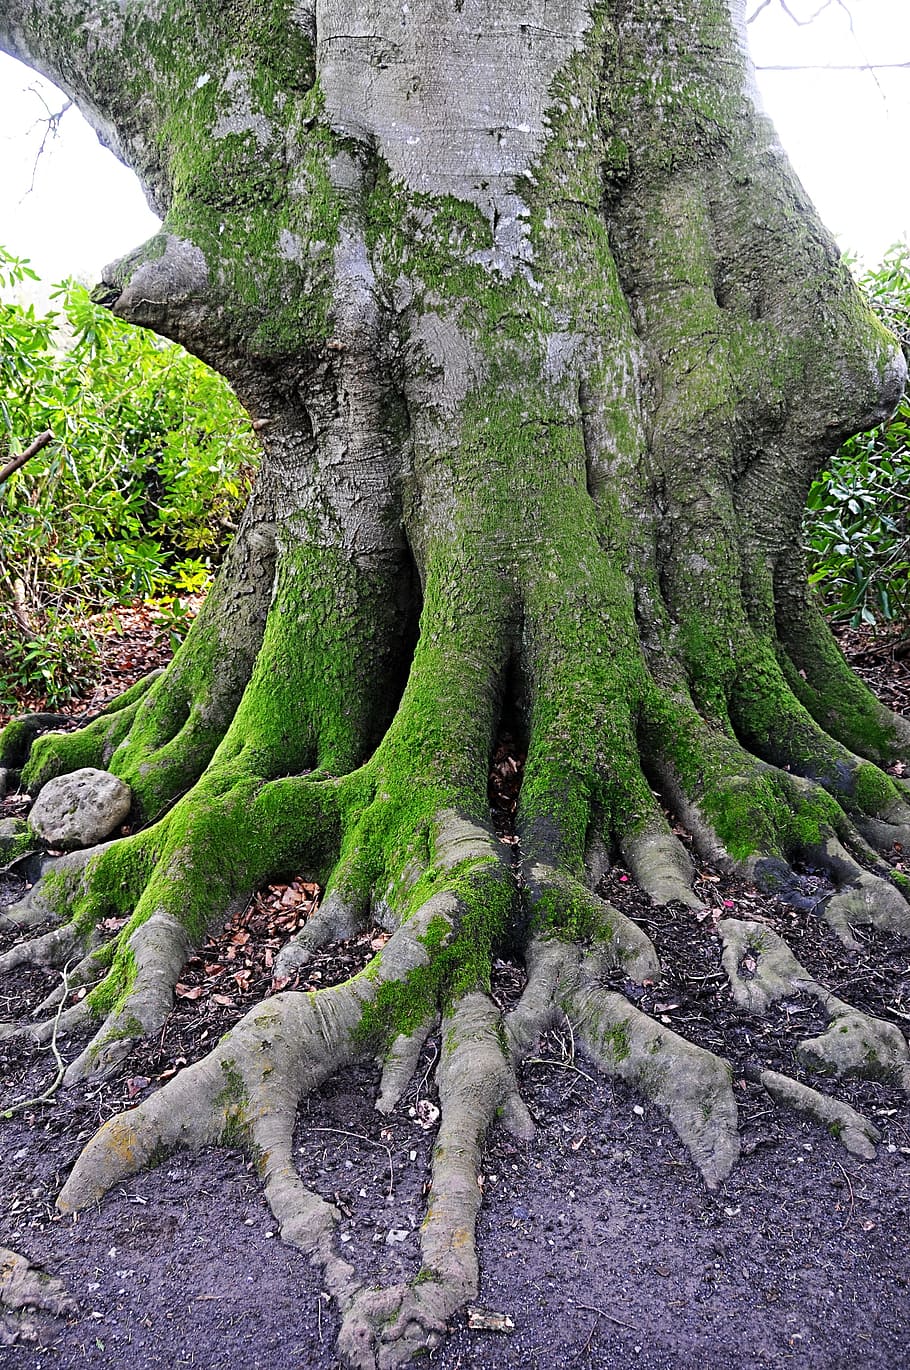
(80, 809)
(11, 832)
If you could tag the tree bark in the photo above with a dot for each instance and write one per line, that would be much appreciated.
(545, 345)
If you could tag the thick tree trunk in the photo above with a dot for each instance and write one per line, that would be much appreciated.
(545, 344)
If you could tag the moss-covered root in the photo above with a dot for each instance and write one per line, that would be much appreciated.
(162, 733)
(854, 1132)
(389, 1326)
(149, 966)
(49, 900)
(561, 906)
(43, 753)
(17, 737)
(246, 1091)
(821, 679)
(754, 818)
(861, 896)
(854, 1044)
(222, 841)
(692, 1086)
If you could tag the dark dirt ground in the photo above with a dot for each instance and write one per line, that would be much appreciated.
(599, 1240)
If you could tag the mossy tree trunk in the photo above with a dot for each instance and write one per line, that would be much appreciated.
(545, 344)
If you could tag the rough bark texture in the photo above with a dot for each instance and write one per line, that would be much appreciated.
(545, 344)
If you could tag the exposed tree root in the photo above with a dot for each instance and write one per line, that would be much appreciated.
(851, 1129)
(569, 421)
(24, 1291)
(405, 844)
(854, 1045)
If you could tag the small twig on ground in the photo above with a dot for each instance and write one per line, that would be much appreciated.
(602, 1313)
(423, 1084)
(562, 1065)
(849, 1191)
(46, 1096)
(12, 466)
(361, 1137)
(586, 1349)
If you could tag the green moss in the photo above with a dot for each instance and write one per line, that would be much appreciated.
(872, 790)
(902, 882)
(15, 740)
(16, 842)
(757, 813)
(564, 908)
(616, 1042)
(459, 953)
(111, 995)
(835, 696)
(59, 753)
(232, 1100)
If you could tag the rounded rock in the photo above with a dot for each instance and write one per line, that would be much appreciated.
(80, 809)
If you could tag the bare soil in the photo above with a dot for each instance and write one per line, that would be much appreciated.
(598, 1241)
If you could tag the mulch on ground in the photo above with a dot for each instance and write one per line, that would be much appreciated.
(598, 1241)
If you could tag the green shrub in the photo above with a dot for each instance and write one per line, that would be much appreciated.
(858, 520)
(136, 496)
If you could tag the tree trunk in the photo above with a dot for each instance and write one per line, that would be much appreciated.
(545, 345)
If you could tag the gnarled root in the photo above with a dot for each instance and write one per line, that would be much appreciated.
(163, 889)
(387, 1326)
(761, 970)
(855, 1133)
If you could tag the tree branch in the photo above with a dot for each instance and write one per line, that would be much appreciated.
(12, 466)
(88, 48)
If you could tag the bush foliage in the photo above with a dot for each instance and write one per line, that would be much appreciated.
(134, 499)
(858, 519)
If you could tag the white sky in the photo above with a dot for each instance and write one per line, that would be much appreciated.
(845, 132)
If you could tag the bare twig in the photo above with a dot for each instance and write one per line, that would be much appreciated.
(11, 466)
(850, 1192)
(803, 23)
(602, 1313)
(755, 13)
(560, 1065)
(47, 1094)
(51, 130)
